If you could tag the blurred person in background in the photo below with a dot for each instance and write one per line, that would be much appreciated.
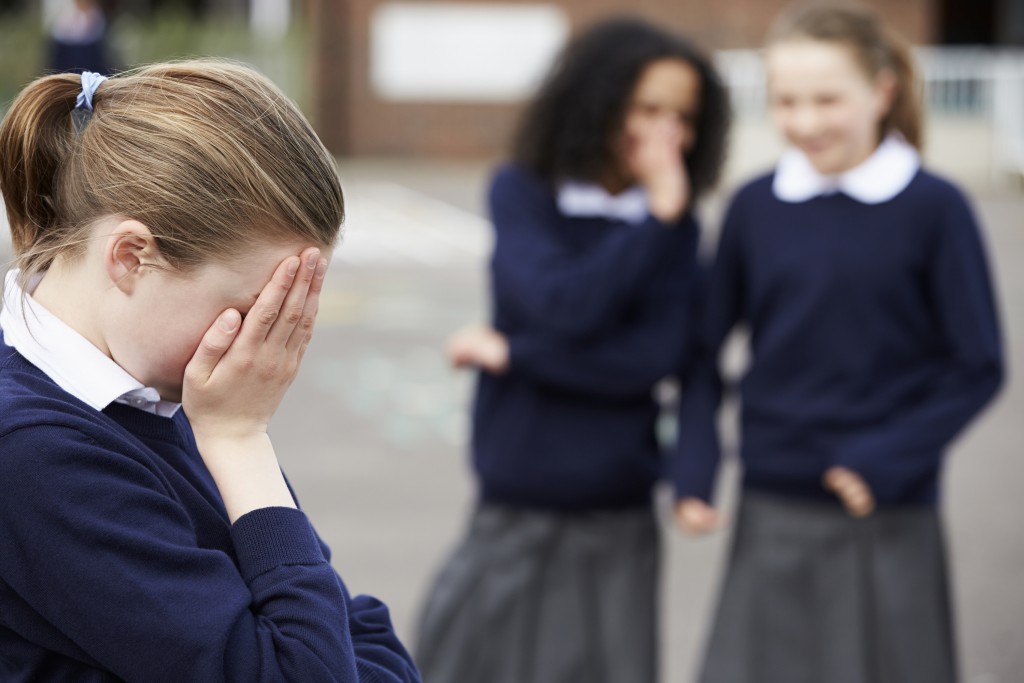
(78, 39)
(593, 267)
(874, 340)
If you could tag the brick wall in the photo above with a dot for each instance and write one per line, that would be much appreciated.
(354, 121)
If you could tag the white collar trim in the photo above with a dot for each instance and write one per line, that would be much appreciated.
(578, 199)
(68, 358)
(881, 177)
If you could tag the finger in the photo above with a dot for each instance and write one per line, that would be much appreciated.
(301, 351)
(846, 484)
(863, 500)
(829, 479)
(696, 517)
(457, 349)
(213, 346)
(858, 501)
(853, 494)
(855, 486)
(869, 505)
(295, 301)
(261, 317)
(836, 477)
(455, 357)
(303, 332)
(861, 508)
(466, 347)
(461, 358)
(711, 520)
(849, 495)
(694, 520)
(494, 352)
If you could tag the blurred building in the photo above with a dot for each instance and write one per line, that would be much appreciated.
(433, 78)
(424, 78)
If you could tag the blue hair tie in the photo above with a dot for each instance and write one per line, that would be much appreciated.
(82, 112)
(90, 81)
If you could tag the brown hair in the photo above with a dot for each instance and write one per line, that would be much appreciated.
(209, 155)
(874, 46)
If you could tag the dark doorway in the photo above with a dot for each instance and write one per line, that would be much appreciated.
(981, 22)
(967, 22)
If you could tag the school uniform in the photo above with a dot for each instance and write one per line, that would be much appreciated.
(556, 579)
(78, 42)
(119, 561)
(874, 341)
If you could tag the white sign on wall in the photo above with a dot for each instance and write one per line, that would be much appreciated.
(460, 52)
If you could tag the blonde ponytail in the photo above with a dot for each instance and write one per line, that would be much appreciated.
(35, 140)
(209, 155)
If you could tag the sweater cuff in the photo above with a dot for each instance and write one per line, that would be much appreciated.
(694, 478)
(518, 351)
(271, 537)
(883, 488)
(890, 478)
(691, 489)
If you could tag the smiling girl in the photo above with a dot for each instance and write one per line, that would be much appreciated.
(874, 340)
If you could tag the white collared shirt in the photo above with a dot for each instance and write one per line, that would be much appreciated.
(68, 358)
(578, 200)
(881, 177)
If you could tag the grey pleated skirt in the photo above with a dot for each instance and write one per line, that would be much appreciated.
(812, 595)
(540, 597)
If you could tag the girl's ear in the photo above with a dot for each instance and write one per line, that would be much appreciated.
(886, 89)
(130, 246)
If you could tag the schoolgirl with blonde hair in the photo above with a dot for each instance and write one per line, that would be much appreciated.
(171, 228)
(874, 341)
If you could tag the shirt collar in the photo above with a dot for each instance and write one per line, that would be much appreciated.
(881, 177)
(579, 199)
(68, 358)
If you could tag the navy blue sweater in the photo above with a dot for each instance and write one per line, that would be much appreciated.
(117, 560)
(592, 310)
(873, 333)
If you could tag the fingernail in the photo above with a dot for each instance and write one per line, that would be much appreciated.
(293, 266)
(228, 321)
(312, 260)
(321, 269)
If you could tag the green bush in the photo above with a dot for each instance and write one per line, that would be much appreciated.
(22, 44)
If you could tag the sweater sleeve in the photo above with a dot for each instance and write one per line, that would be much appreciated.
(694, 464)
(380, 655)
(632, 357)
(100, 551)
(893, 455)
(551, 288)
